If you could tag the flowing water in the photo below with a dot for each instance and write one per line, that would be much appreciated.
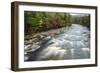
(72, 44)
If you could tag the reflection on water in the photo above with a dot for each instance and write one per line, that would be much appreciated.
(72, 44)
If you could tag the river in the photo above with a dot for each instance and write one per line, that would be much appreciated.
(72, 44)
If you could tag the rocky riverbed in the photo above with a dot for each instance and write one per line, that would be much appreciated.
(63, 43)
(32, 43)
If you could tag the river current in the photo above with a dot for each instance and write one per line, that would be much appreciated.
(72, 44)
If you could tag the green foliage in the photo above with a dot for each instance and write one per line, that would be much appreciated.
(83, 20)
(42, 21)
(86, 21)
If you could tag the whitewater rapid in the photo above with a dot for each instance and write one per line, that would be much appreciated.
(72, 44)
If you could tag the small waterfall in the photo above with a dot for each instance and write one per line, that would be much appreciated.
(72, 44)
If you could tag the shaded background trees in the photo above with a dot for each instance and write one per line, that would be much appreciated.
(42, 21)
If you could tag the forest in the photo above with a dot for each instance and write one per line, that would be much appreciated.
(36, 21)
